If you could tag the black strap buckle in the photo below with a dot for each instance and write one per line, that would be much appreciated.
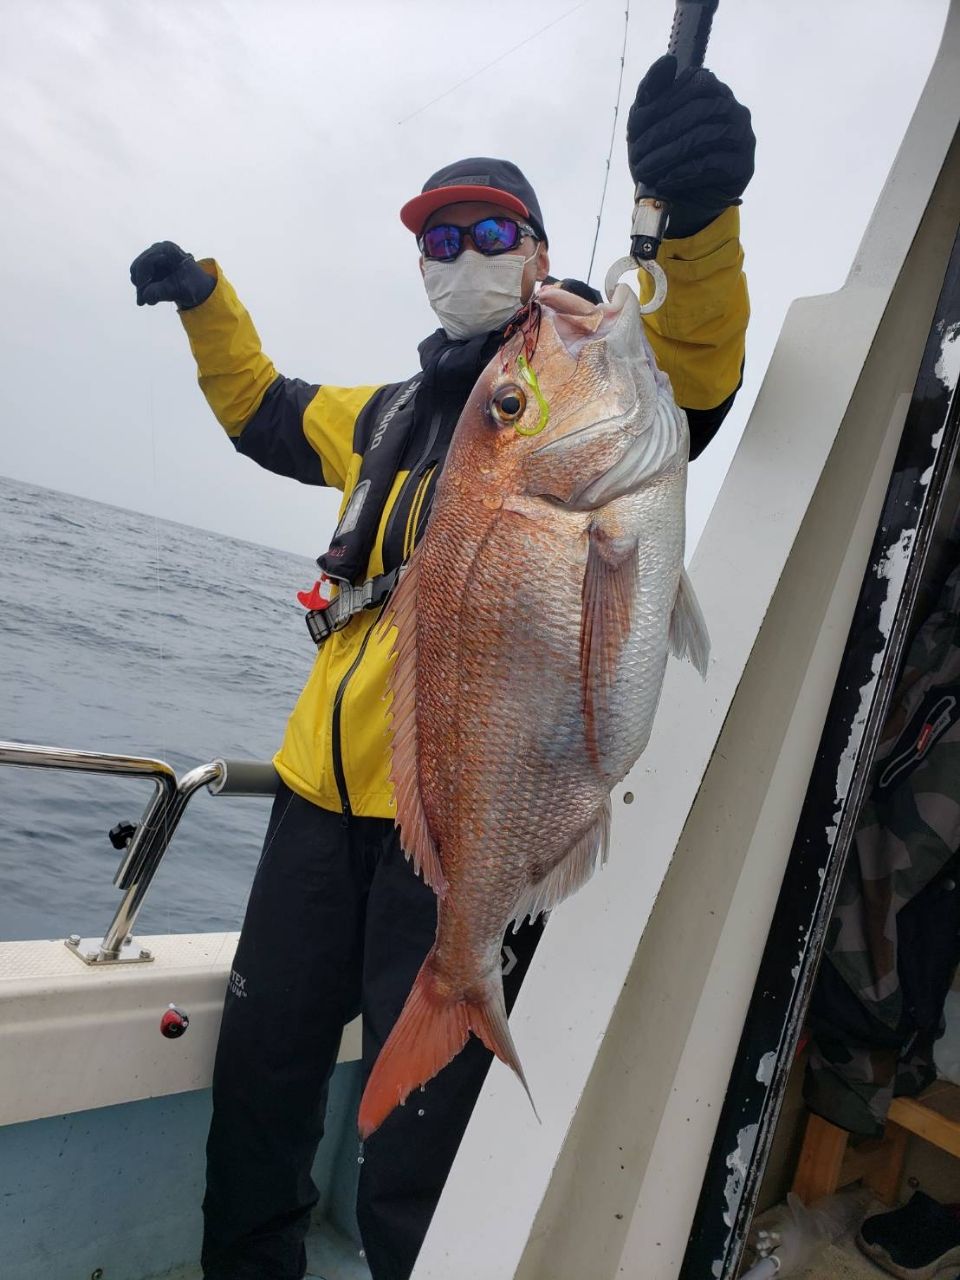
(319, 626)
(322, 623)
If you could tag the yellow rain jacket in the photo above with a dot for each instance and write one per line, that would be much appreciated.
(336, 750)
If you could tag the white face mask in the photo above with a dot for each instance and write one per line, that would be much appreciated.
(474, 294)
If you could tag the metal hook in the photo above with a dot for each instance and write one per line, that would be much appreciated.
(652, 268)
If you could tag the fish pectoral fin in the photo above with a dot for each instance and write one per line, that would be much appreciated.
(607, 604)
(572, 871)
(416, 838)
(689, 637)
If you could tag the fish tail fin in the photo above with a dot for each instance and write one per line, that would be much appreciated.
(430, 1032)
(488, 1020)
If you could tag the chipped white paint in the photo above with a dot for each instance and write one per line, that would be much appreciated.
(948, 364)
(935, 442)
(738, 1162)
(766, 1067)
(892, 570)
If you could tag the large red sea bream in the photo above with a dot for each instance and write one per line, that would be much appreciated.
(533, 626)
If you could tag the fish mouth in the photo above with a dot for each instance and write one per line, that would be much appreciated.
(645, 422)
(619, 326)
(578, 322)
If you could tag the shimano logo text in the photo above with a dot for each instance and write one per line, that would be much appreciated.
(392, 412)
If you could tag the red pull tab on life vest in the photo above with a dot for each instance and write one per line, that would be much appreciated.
(319, 596)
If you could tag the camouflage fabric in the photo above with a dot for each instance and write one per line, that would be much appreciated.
(892, 945)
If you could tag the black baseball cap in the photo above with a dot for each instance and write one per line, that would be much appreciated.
(479, 178)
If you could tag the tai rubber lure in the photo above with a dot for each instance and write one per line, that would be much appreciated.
(530, 378)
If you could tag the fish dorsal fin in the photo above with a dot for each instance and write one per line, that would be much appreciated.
(572, 871)
(688, 630)
(415, 836)
(607, 604)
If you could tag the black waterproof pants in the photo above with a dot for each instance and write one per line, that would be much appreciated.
(337, 923)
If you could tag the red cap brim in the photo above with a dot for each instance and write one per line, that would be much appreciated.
(416, 211)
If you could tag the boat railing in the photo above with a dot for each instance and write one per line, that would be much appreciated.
(143, 843)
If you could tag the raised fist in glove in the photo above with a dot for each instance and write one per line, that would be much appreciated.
(691, 142)
(164, 273)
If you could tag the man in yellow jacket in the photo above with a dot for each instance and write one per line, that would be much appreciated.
(337, 921)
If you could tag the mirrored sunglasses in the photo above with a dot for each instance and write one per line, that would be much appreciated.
(490, 236)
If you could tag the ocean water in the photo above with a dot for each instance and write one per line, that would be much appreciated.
(123, 633)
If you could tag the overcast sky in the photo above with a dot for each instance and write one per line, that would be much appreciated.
(270, 137)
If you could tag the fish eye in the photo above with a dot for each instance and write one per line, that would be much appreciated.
(508, 404)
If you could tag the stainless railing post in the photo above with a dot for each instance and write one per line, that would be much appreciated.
(34, 757)
(140, 877)
(155, 829)
(148, 828)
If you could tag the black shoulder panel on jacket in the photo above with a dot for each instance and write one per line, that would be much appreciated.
(274, 435)
(705, 423)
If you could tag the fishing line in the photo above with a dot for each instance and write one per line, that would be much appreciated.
(159, 593)
(613, 134)
(268, 845)
(506, 54)
(156, 534)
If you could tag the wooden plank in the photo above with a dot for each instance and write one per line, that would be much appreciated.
(818, 1168)
(933, 1116)
(883, 1175)
(877, 1162)
(828, 1162)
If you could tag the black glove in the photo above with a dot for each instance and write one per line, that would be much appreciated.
(164, 273)
(690, 141)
